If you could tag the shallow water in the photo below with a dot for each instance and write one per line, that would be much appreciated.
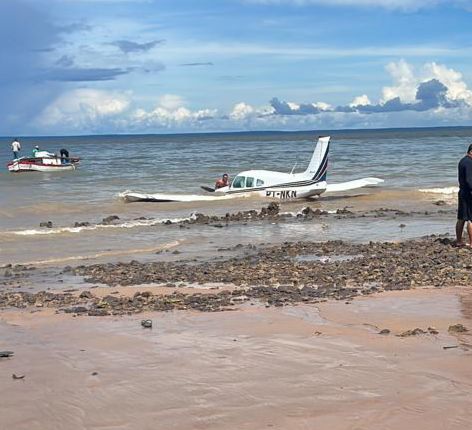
(410, 161)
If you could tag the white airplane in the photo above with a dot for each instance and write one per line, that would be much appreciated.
(270, 184)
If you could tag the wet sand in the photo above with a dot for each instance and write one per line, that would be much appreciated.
(297, 367)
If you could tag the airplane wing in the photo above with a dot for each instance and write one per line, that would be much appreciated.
(131, 196)
(352, 185)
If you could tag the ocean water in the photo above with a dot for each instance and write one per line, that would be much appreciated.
(411, 161)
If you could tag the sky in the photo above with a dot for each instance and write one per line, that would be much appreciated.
(71, 67)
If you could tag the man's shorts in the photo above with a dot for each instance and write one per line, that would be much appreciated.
(464, 208)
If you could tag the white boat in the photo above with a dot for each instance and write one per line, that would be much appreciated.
(43, 164)
(268, 184)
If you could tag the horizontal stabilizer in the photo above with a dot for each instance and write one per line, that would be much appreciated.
(352, 185)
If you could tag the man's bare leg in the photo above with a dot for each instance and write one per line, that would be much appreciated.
(460, 230)
(469, 232)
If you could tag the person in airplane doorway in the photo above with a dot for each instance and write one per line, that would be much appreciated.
(223, 182)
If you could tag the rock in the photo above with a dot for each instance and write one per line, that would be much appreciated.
(272, 209)
(402, 225)
(6, 354)
(440, 203)
(445, 241)
(98, 313)
(86, 295)
(309, 213)
(110, 219)
(47, 224)
(7, 273)
(146, 323)
(414, 332)
(81, 224)
(76, 310)
(457, 328)
(432, 330)
(94, 373)
(18, 376)
(384, 331)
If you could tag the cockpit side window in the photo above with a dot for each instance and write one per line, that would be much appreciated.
(259, 182)
(249, 182)
(239, 182)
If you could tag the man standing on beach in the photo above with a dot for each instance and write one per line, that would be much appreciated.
(464, 210)
(16, 148)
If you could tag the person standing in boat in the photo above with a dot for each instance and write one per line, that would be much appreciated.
(64, 156)
(16, 148)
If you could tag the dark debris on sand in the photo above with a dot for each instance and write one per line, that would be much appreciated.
(275, 276)
(425, 262)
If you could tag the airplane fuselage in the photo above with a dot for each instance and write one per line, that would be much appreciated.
(277, 185)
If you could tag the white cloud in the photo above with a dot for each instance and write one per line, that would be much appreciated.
(170, 113)
(293, 106)
(322, 106)
(457, 88)
(171, 102)
(241, 111)
(362, 100)
(84, 107)
(406, 80)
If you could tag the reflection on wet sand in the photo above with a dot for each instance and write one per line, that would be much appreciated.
(294, 367)
(466, 302)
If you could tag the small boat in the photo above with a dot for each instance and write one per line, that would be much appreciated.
(43, 164)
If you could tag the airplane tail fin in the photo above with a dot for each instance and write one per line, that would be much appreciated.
(318, 166)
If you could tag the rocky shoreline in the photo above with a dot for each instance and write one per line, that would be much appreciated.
(272, 212)
(287, 274)
(430, 261)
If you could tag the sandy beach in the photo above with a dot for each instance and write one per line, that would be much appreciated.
(294, 334)
(323, 366)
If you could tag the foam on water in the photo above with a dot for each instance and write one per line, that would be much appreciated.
(126, 252)
(444, 190)
(126, 224)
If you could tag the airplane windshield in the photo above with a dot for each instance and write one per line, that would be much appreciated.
(239, 182)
